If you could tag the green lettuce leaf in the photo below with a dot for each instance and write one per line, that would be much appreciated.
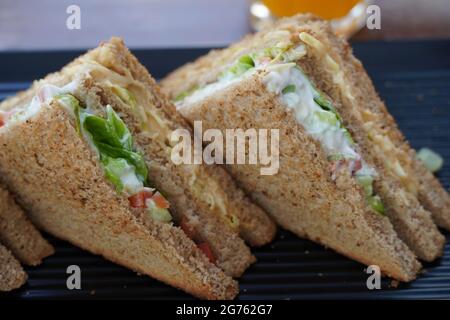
(100, 130)
(74, 104)
(133, 158)
(241, 66)
(431, 160)
(288, 89)
(367, 183)
(158, 214)
(113, 169)
(111, 130)
(185, 94)
(119, 127)
(114, 143)
(376, 204)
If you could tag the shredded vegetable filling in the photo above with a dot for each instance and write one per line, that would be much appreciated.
(123, 166)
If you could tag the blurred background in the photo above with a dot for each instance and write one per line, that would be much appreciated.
(30, 25)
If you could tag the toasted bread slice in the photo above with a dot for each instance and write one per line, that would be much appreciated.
(12, 275)
(19, 235)
(59, 180)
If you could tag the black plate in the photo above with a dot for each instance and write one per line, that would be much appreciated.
(413, 78)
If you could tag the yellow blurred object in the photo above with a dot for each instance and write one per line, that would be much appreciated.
(326, 9)
(346, 16)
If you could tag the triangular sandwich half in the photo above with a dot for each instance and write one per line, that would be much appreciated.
(87, 154)
(330, 187)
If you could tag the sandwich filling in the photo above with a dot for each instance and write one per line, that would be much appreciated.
(134, 94)
(311, 109)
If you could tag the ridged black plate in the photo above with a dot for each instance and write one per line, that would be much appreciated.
(413, 78)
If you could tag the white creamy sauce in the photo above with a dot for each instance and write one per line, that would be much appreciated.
(44, 95)
(309, 114)
(331, 135)
(212, 88)
(131, 183)
(224, 82)
(306, 110)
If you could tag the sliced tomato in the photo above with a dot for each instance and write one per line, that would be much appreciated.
(138, 200)
(3, 118)
(206, 249)
(357, 166)
(188, 230)
(160, 201)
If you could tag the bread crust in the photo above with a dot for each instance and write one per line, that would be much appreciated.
(19, 235)
(12, 275)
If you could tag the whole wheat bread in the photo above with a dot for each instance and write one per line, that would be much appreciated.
(12, 275)
(19, 235)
